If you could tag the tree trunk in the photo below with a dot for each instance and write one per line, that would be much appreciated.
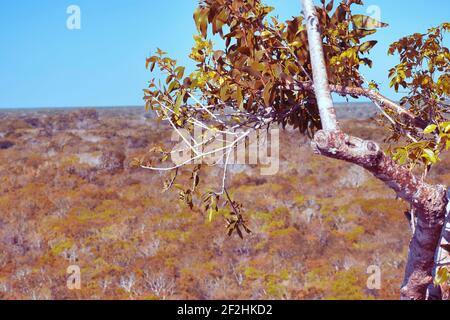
(319, 69)
(428, 201)
(442, 259)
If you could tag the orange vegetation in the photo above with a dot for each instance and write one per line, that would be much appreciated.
(69, 197)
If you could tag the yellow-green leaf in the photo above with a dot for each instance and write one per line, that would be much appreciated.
(176, 108)
(441, 277)
(180, 72)
(447, 128)
(201, 20)
(173, 85)
(364, 22)
(210, 214)
(430, 155)
(430, 129)
(239, 98)
(366, 46)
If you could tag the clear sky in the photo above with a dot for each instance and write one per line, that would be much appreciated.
(44, 64)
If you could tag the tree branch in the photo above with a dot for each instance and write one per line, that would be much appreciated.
(406, 116)
(428, 200)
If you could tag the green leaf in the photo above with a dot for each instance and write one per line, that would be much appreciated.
(173, 86)
(364, 22)
(430, 129)
(447, 128)
(152, 61)
(267, 10)
(401, 155)
(430, 155)
(176, 108)
(160, 52)
(210, 214)
(373, 85)
(366, 46)
(441, 277)
(180, 72)
(239, 98)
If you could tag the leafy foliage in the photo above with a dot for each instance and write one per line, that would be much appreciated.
(442, 276)
(424, 70)
(260, 60)
(256, 77)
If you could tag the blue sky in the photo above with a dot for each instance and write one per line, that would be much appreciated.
(44, 64)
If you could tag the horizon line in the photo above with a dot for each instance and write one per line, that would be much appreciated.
(129, 106)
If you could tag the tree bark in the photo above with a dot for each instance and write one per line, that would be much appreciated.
(429, 201)
(319, 68)
(442, 259)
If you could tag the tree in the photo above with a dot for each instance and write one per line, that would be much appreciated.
(271, 73)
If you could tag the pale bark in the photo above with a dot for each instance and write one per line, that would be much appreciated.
(319, 69)
(429, 201)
